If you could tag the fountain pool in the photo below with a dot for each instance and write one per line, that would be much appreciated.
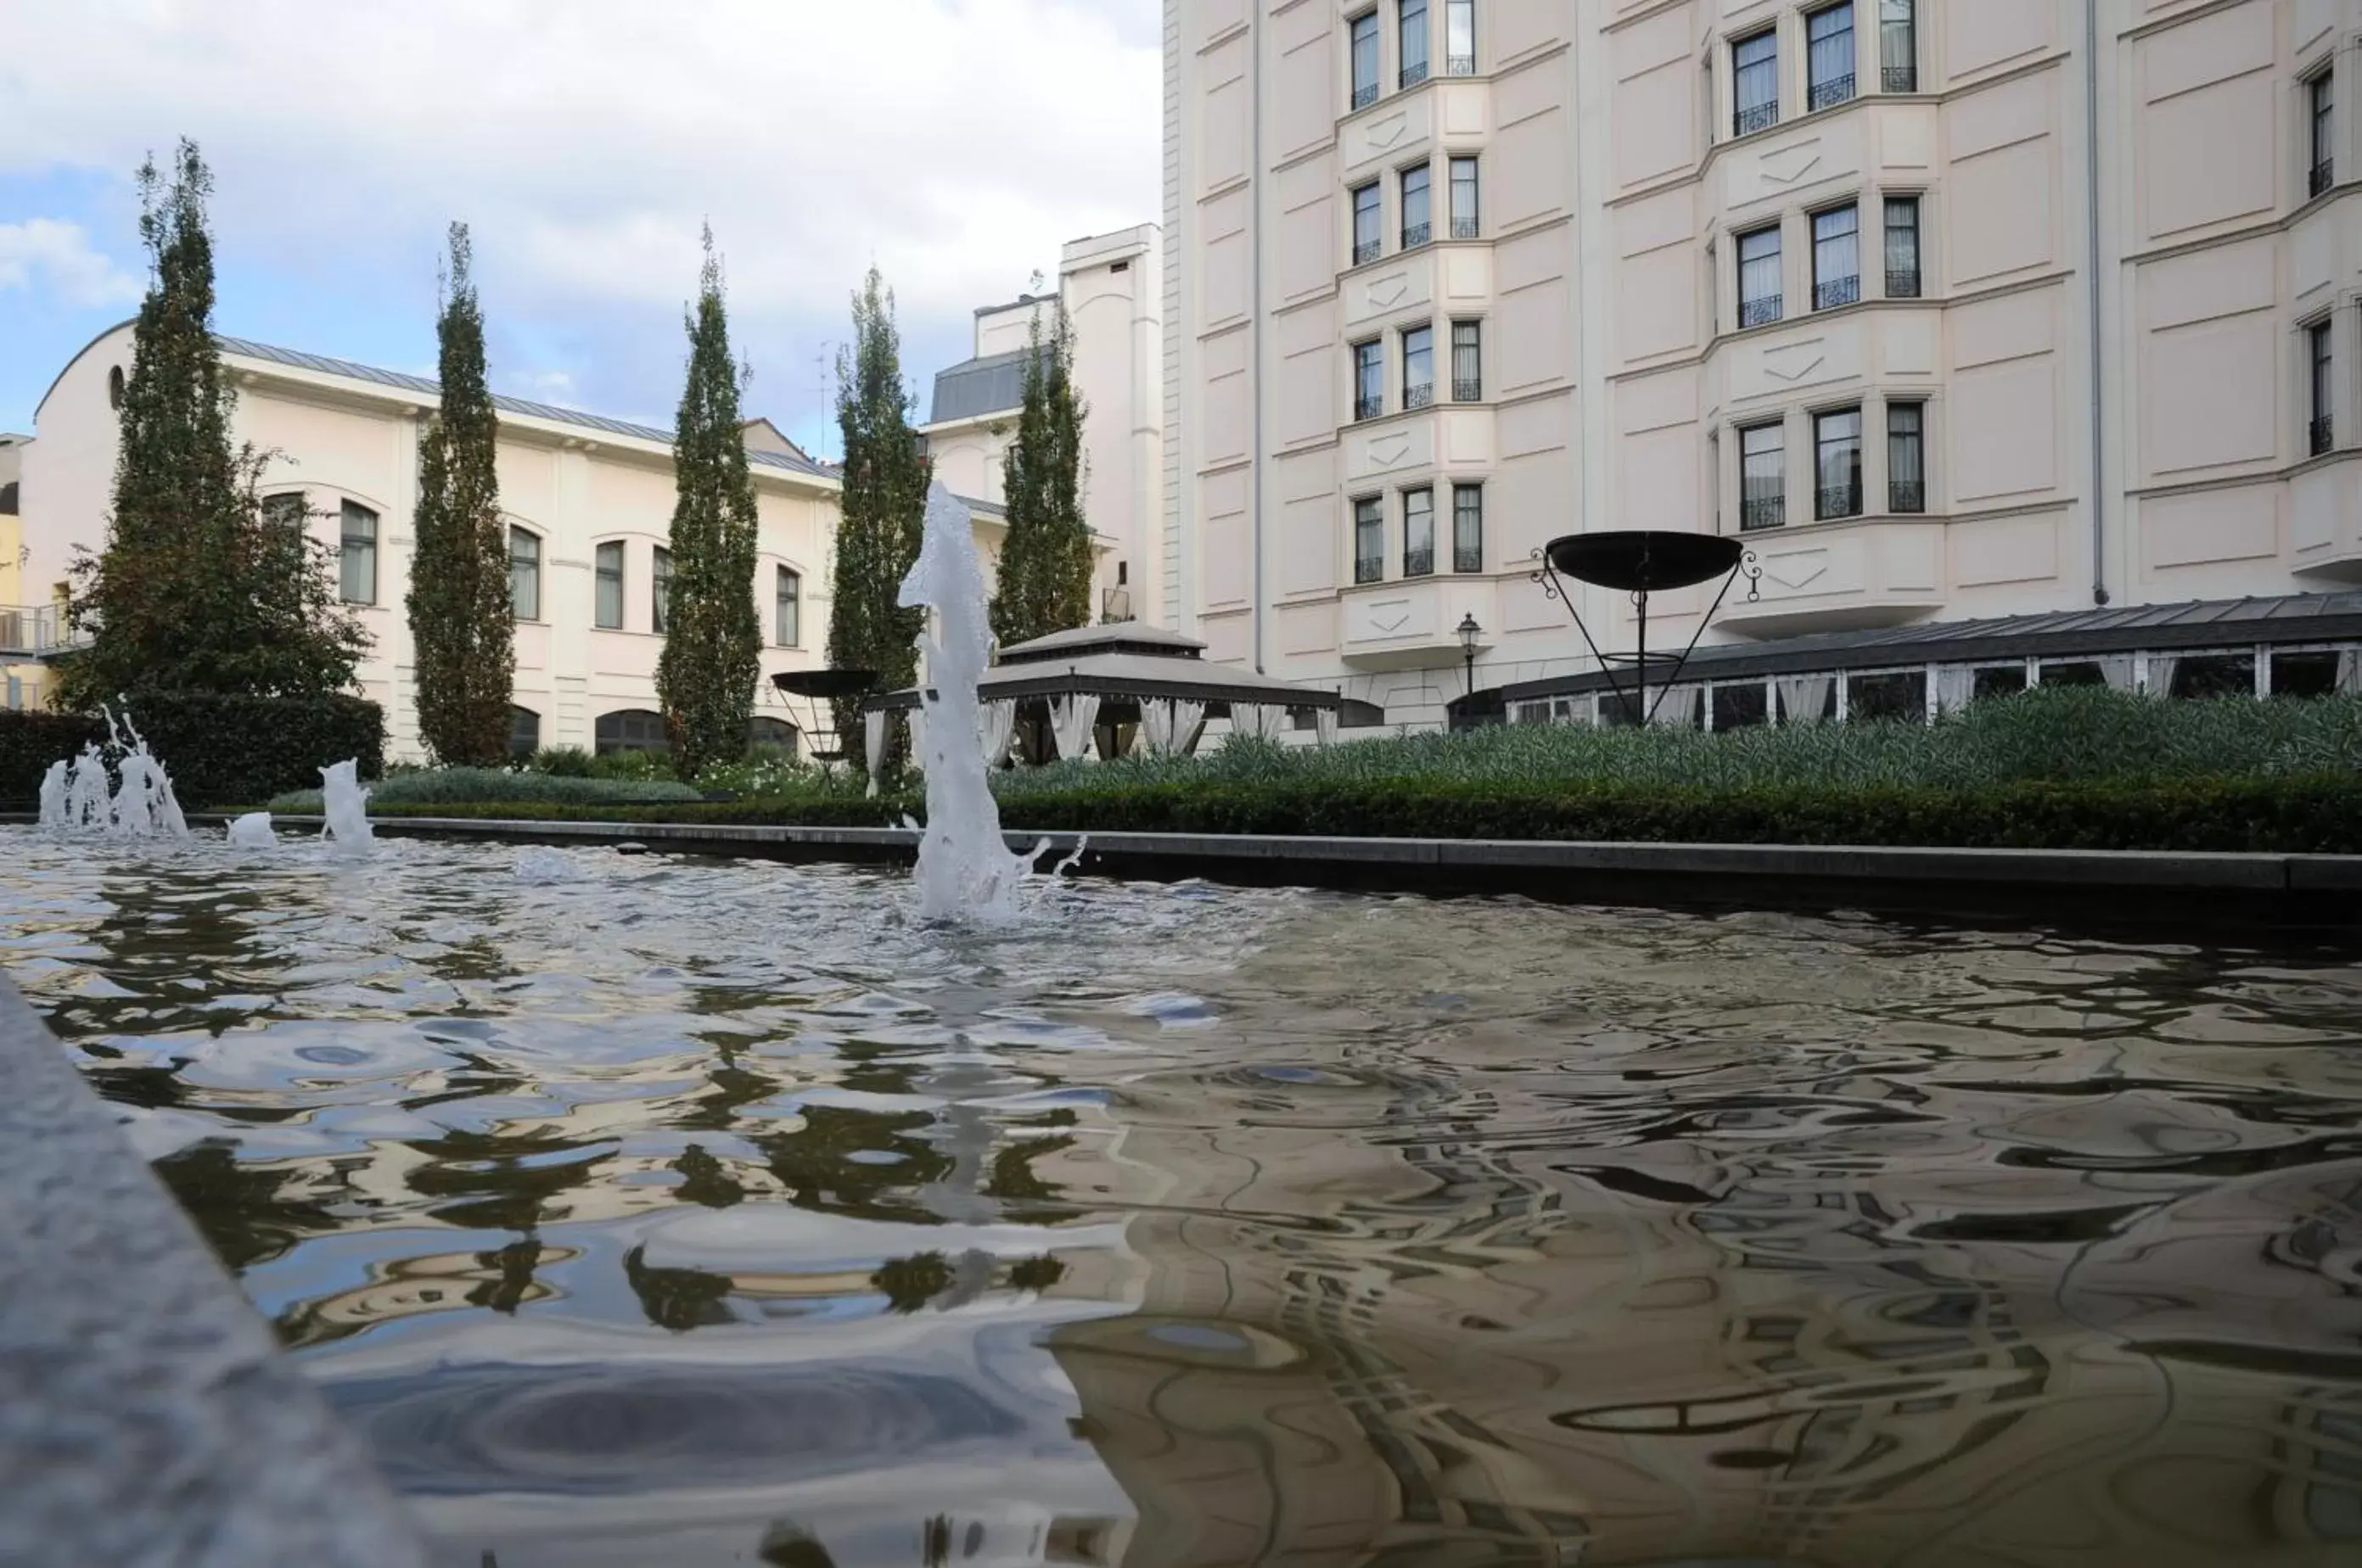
(668, 1210)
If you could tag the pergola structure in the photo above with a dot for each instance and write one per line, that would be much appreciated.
(1108, 688)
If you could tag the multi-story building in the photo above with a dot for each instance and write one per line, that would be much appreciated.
(20, 680)
(1950, 309)
(588, 501)
(1113, 289)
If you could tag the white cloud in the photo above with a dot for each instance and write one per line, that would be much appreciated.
(955, 142)
(46, 254)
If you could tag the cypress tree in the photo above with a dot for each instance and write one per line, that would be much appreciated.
(1045, 566)
(712, 652)
(195, 590)
(885, 505)
(461, 620)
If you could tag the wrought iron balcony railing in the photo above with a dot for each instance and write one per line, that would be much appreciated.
(1468, 557)
(1416, 234)
(1460, 65)
(1418, 563)
(1466, 229)
(1902, 282)
(1414, 73)
(1368, 408)
(1367, 252)
(1901, 78)
(2322, 435)
(1756, 117)
(1419, 396)
(2324, 175)
(1762, 511)
(1758, 312)
(1837, 501)
(1364, 96)
(1467, 390)
(1906, 497)
(1836, 291)
(1369, 568)
(1829, 93)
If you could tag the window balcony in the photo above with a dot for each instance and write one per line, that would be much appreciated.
(2324, 175)
(1902, 282)
(2321, 435)
(1460, 65)
(1467, 391)
(1419, 397)
(1369, 568)
(1367, 252)
(1900, 78)
(1466, 229)
(1758, 312)
(1366, 97)
(1828, 95)
(1836, 292)
(1416, 235)
(1837, 501)
(1758, 512)
(1418, 563)
(1368, 408)
(1467, 560)
(1412, 75)
(1907, 497)
(1756, 117)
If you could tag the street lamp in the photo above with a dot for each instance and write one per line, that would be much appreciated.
(1469, 632)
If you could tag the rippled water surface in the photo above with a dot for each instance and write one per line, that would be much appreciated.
(648, 1210)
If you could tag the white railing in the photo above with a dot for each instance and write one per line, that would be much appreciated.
(36, 631)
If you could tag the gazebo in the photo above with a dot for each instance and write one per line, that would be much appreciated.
(1108, 688)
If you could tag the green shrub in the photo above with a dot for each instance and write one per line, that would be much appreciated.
(30, 742)
(464, 786)
(216, 749)
(560, 761)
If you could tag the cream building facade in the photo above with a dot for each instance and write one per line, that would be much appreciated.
(1951, 309)
(588, 501)
(1113, 289)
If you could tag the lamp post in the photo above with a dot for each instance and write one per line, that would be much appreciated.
(1469, 632)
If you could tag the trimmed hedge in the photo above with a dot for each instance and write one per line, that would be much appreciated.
(216, 749)
(2307, 814)
(483, 786)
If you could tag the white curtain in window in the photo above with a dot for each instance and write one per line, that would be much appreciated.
(1324, 726)
(996, 727)
(1071, 722)
(873, 743)
(2161, 669)
(1188, 724)
(1803, 698)
(2349, 670)
(2116, 669)
(1676, 708)
(1956, 687)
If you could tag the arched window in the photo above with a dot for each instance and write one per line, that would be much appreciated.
(357, 555)
(631, 729)
(285, 508)
(524, 573)
(115, 386)
(788, 629)
(773, 732)
(525, 731)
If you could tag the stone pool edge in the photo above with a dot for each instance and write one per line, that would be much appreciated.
(146, 1413)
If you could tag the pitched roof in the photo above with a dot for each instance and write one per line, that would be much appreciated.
(296, 359)
(993, 383)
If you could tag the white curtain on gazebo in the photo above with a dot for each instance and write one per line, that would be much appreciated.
(1324, 726)
(996, 727)
(1803, 698)
(2349, 670)
(2161, 670)
(2116, 669)
(1676, 708)
(1156, 738)
(1259, 719)
(1072, 719)
(1956, 687)
(1188, 722)
(919, 736)
(873, 743)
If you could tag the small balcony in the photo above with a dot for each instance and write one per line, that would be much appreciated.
(2321, 435)
(1366, 96)
(1419, 397)
(1367, 251)
(1833, 502)
(1467, 559)
(1416, 235)
(1418, 563)
(1414, 73)
(1369, 568)
(1900, 78)
(1906, 498)
(1758, 312)
(1467, 390)
(2322, 177)
(37, 631)
(1466, 229)
(1368, 408)
(1115, 605)
(1902, 282)
(1759, 512)
(1829, 93)
(1460, 65)
(1836, 292)
(1755, 117)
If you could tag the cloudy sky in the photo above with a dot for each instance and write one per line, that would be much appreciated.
(957, 143)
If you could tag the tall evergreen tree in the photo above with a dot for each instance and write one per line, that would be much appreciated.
(886, 478)
(1045, 566)
(461, 620)
(195, 590)
(712, 652)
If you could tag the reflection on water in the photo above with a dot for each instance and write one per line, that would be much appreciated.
(702, 1213)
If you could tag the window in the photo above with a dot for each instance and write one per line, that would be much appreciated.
(607, 612)
(1467, 528)
(1755, 79)
(1419, 532)
(1744, 705)
(2320, 91)
(1365, 59)
(631, 729)
(285, 509)
(1414, 42)
(1891, 696)
(1828, 60)
(1762, 478)
(1467, 362)
(2323, 431)
(1419, 366)
(1906, 457)
(776, 734)
(114, 386)
(357, 555)
(661, 591)
(525, 575)
(788, 610)
(2304, 673)
(1836, 464)
(1902, 247)
(1898, 45)
(1416, 229)
(1369, 540)
(1758, 277)
(1367, 241)
(1837, 258)
(1369, 380)
(1464, 225)
(1460, 38)
(525, 731)
(2206, 676)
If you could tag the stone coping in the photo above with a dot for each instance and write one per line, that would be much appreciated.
(147, 1415)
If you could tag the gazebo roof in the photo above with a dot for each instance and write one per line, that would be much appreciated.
(1126, 660)
(1119, 636)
